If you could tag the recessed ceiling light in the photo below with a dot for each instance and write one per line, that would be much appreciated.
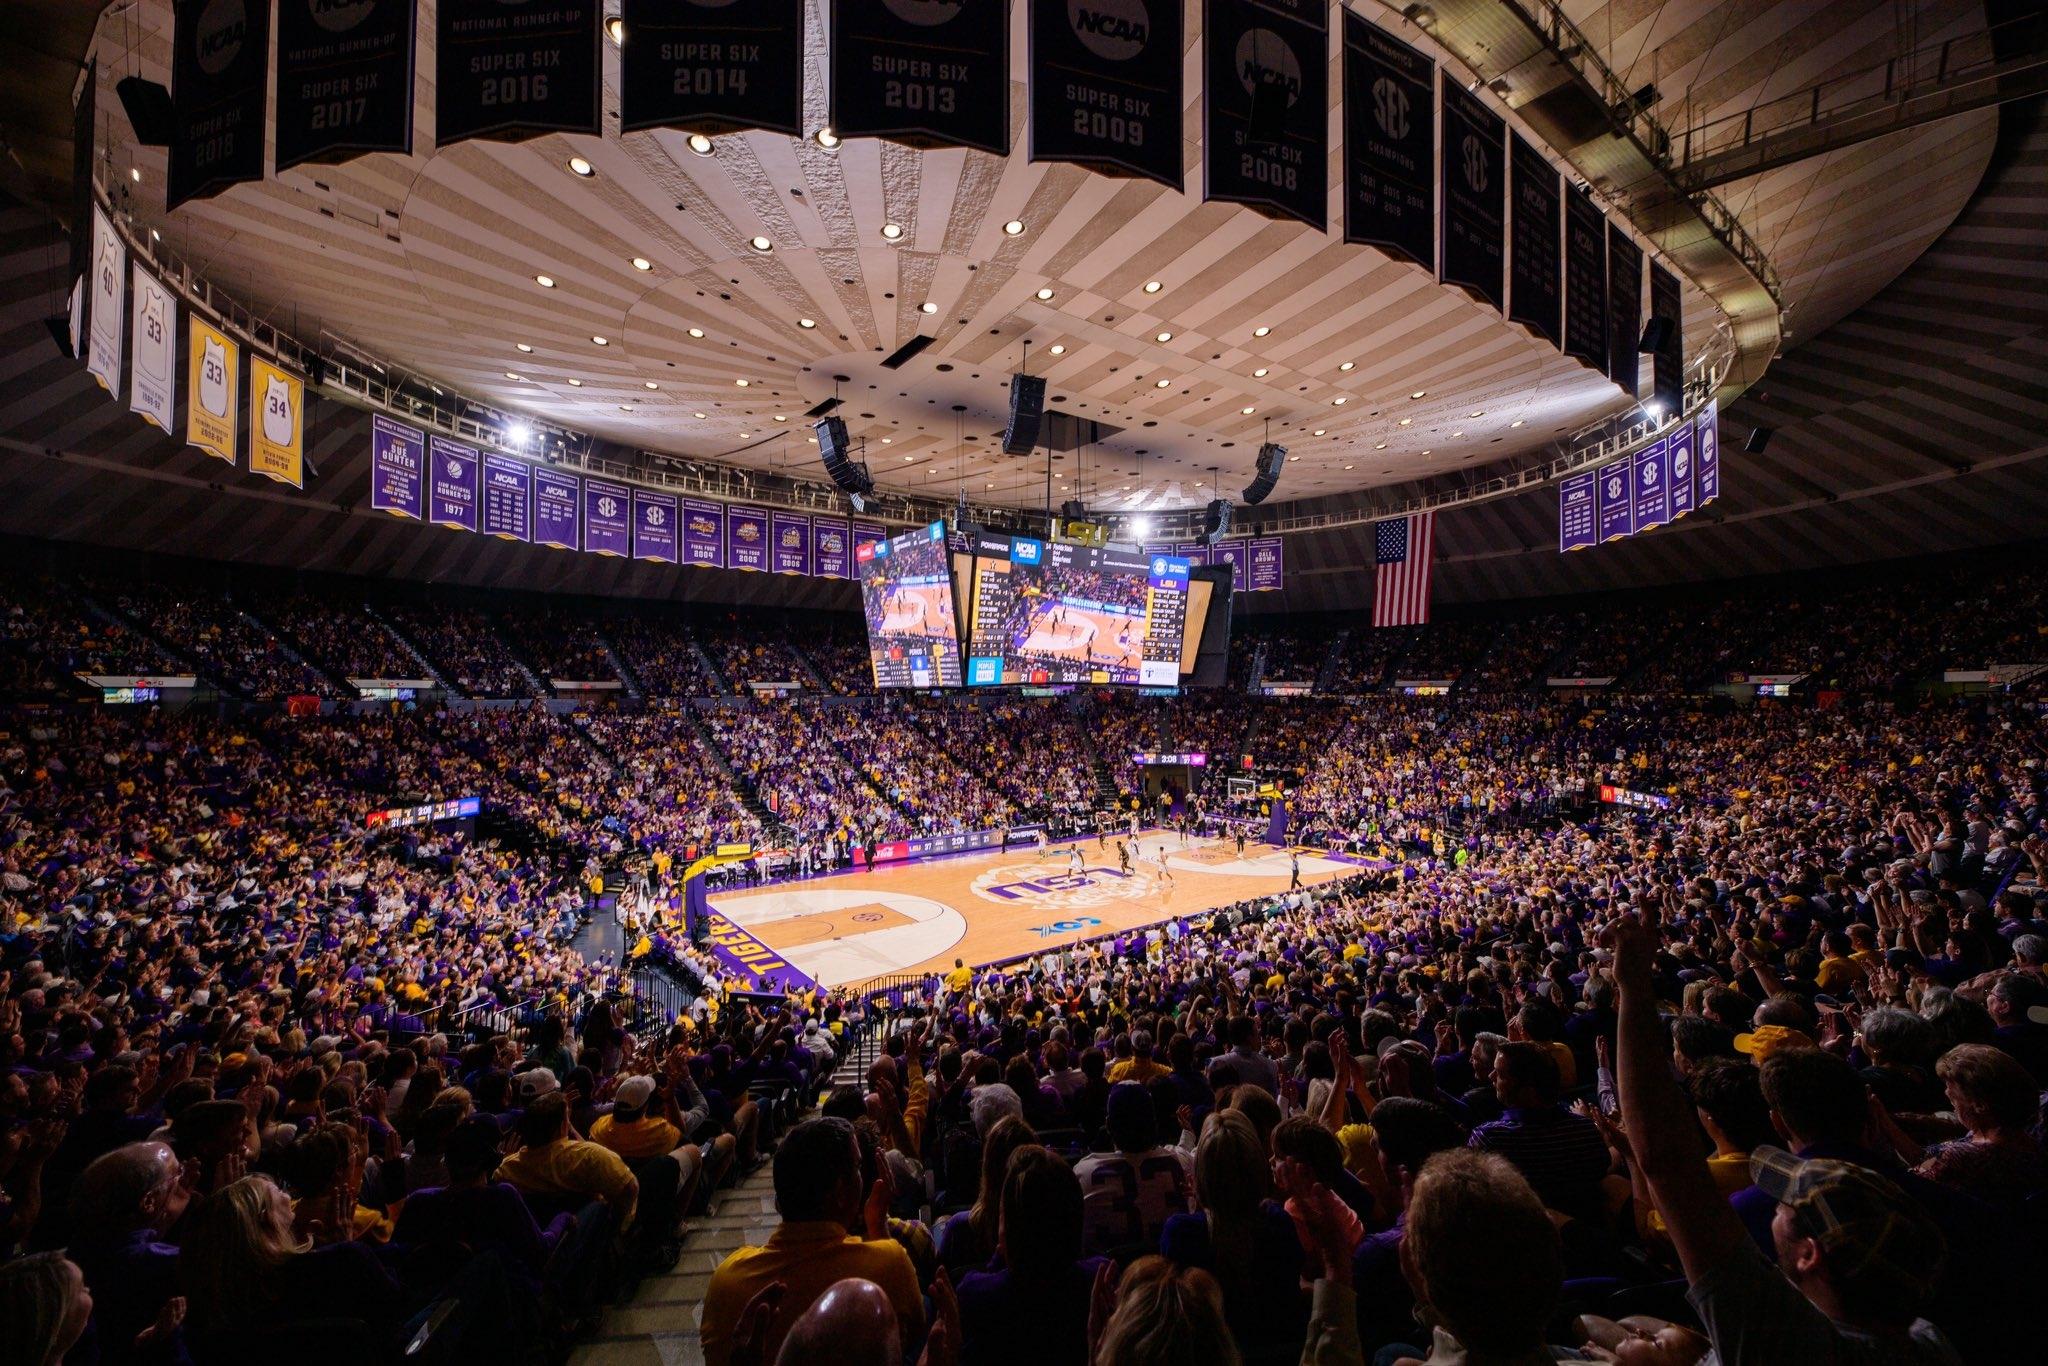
(651, 384)
(522, 346)
(575, 384)
(1351, 467)
(827, 138)
(700, 144)
(780, 418)
(1425, 452)
(1420, 393)
(909, 457)
(625, 407)
(1454, 437)
(1059, 349)
(1293, 458)
(1259, 373)
(1013, 227)
(697, 332)
(600, 341)
(1477, 412)
(1153, 286)
(1339, 401)
(1163, 336)
(582, 167)
(1516, 423)
(743, 383)
(135, 174)
(696, 414)
(544, 281)
(745, 435)
(807, 323)
(1165, 384)
(1247, 411)
(1382, 446)
(988, 486)
(1261, 331)
(892, 231)
(511, 375)
(155, 236)
(760, 243)
(885, 440)
(1045, 293)
(1349, 365)
(927, 307)
(615, 29)
(1319, 431)
(642, 263)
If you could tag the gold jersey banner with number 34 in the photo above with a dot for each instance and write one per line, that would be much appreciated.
(276, 410)
(212, 376)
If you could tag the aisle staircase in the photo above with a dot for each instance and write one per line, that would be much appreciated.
(1333, 662)
(411, 648)
(619, 666)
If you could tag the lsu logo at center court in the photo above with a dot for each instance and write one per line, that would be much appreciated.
(1036, 885)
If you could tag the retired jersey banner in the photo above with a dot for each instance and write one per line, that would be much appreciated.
(1104, 86)
(1624, 310)
(1678, 455)
(513, 71)
(1389, 144)
(1706, 454)
(277, 423)
(344, 78)
(703, 533)
(398, 458)
(213, 373)
(792, 551)
(712, 66)
(556, 504)
(220, 88)
(1535, 273)
(1474, 171)
(654, 526)
(507, 498)
(1576, 519)
(607, 518)
(1667, 362)
(1267, 567)
(1235, 554)
(746, 538)
(108, 309)
(932, 73)
(1617, 501)
(1653, 487)
(831, 548)
(1585, 279)
(153, 370)
(1266, 106)
(451, 484)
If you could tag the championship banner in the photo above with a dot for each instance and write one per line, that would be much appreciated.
(84, 123)
(746, 538)
(703, 533)
(1617, 501)
(1585, 279)
(557, 498)
(1104, 86)
(1576, 520)
(398, 455)
(109, 307)
(213, 373)
(1678, 457)
(1535, 294)
(792, 549)
(712, 66)
(1234, 554)
(1266, 569)
(344, 78)
(513, 71)
(451, 500)
(1266, 106)
(1653, 487)
(1707, 454)
(654, 526)
(153, 371)
(1193, 554)
(867, 533)
(1667, 362)
(1389, 144)
(1474, 177)
(831, 548)
(220, 86)
(607, 518)
(930, 73)
(1624, 310)
(507, 489)
(277, 423)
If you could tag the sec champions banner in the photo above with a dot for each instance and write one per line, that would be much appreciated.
(153, 373)
(213, 371)
(277, 424)
(108, 308)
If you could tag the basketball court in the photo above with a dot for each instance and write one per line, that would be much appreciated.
(1088, 637)
(908, 917)
(917, 610)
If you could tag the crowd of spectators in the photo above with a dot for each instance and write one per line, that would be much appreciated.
(332, 631)
(785, 753)
(751, 651)
(671, 790)
(48, 637)
(663, 656)
(465, 649)
(559, 642)
(228, 645)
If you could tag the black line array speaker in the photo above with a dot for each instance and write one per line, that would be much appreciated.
(1027, 411)
(1216, 521)
(848, 475)
(1656, 332)
(149, 110)
(1271, 458)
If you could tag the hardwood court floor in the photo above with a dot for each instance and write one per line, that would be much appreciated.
(909, 917)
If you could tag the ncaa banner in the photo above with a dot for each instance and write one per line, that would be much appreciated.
(1234, 554)
(398, 460)
(746, 538)
(213, 374)
(607, 518)
(792, 552)
(1389, 144)
(1678, 456)
(930, 73)
(703, 533)
(1706, 456)
(1193, 554)
(1653, 487)
(514, 71)
(1617, 501)
(1535, 293)
(109, 307)
(654, 526)
(1667, 362)
(1104, 86)
(556, 500)
(153, 370)
(1265, 570)
(1474, 175)
(220, 84)
(1624, 310)
(1266, 106)
(344, 78)
(507, 498)
(1576, 520)
(451, 500)
(867, 533)
(277, 423)
(1585, 279)
(831, 547)
(712, 66)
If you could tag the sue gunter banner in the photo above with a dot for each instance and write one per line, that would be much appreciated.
(213, 373)
(153, 370)
(398, 460)
(277, 402)
(108, 308)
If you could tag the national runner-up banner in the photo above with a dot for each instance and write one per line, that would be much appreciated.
(1266, 106)
(451, 486)
(108, 310)
(507, 495)
(1104, 86)
(1267, 568)
(1653, 487)
(1617, 501)
(153, 370)
(831, 548)
(557, 499)
(1585, 279)
(277, 423)
(792, 533)
(344, 78)
(398, 458)
(712, 66)
(213, 373)
(746, 538)
(654, 526)
(1707, 453)
(1389, 144)
(515, 70)
(703, 533)
(607, 518)
(1234, 554)
(932, 73)
(1576, 512)
(1678, 455)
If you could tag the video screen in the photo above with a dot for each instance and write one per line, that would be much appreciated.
(906, 592)
(1052, 613)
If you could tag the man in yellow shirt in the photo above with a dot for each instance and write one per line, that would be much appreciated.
(960, 978)
(650, 1130)
(550, 1162)
(818, 1194)
(1141, 1066)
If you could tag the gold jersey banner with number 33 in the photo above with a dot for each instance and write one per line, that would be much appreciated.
(213, 374)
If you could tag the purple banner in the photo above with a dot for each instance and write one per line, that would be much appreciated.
(654, 526)
(555, 497)
(607, 518)
(454, 485)
(508, 497)
(1267, 569)
(1653, 487)
(831, 548)
(397, 453)
(746, 538)
(1577, 519)
(1706, 456)
(1617, 511)
(1234, 554)
(1193, 554)
(866, 533)
(703, 533)
(1678, 455)
(1152, 551)
(792, 552)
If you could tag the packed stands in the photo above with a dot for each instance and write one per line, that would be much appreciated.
(465, 649)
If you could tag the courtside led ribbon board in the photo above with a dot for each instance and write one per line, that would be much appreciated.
(1577, 520)
(344, 78)
(931, 73)
(712, 66)
(153, 371)
(654, 526)
(1104, 86)
(213, 373)
(277, 423)
(1266, 106)
(220, 88)
(1389, 144)
(108, 306)
(451, 484)
(512, 71)
(557, 515)
(506, 487)
(398, 458)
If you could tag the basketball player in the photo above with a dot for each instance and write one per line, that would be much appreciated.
(1240, 841)
(1159, 859)
(1123, 857)
(1074, 864)
(1101, 833)
(1041, 843)
(1294, 870)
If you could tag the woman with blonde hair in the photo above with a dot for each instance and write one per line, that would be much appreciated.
(244, 1267)
(1239, 1236)
(1166, 1315)
(44, 1307)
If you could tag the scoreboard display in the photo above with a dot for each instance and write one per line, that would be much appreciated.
(906, 593)
(1049, 612)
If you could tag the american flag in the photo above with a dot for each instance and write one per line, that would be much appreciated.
(1401, 552)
